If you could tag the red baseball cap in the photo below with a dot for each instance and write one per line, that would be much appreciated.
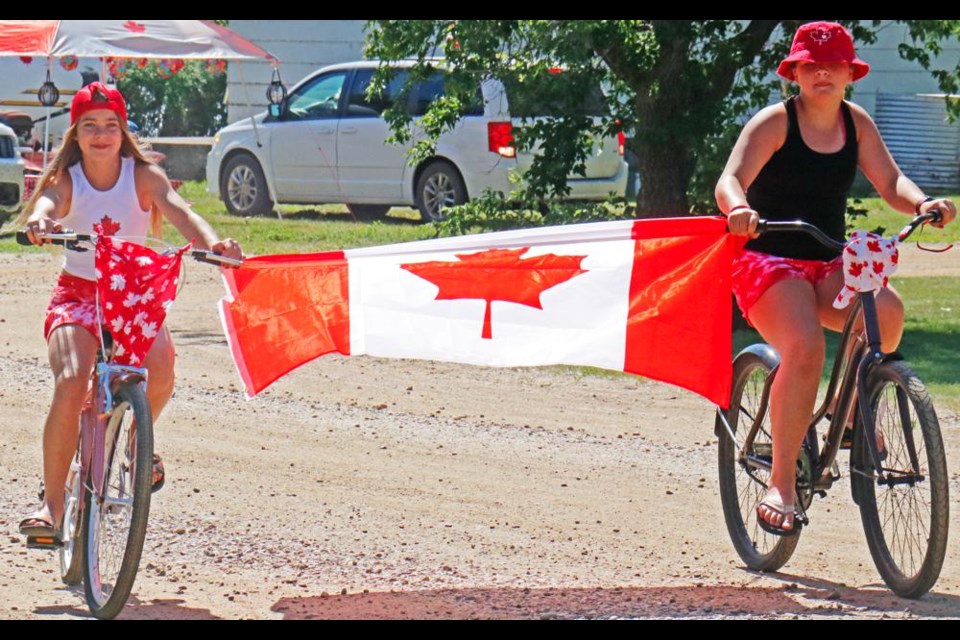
(822, 42)
(97, 95)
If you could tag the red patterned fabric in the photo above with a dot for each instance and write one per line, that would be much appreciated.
(868, 262)
(136, 286)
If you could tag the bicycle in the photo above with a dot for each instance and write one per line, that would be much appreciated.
(109, 483)
(898, 480)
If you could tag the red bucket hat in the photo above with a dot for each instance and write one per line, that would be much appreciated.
(97, 95)
(822, 42)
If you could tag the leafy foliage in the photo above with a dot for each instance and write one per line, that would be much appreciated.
(494, 211)
(679, 88)
(188, 104)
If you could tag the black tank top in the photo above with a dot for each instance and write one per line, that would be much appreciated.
(798, 183)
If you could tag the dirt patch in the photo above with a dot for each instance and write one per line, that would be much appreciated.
(372, 488)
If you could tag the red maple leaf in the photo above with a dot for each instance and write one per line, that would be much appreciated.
(878, 268)
(135, 27)
(873, 245)
(106, 227)
(856, 268)
(498, 274)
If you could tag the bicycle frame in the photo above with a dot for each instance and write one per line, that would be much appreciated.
(847, 385)
(93, 421)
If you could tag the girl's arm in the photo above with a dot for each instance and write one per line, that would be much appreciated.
(882, 171)
(53, 204)
(153, 183)
(759, 140)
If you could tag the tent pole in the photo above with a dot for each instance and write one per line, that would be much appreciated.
(246, 97)
(46, 125)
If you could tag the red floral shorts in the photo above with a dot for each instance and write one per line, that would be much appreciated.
(754, 272)
(73, 302)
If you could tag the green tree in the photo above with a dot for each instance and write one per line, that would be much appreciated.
(679, 87)
(190, 103)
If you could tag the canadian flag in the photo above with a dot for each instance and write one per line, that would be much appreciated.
(650, 297)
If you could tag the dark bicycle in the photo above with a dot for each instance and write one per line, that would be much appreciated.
(898, 469)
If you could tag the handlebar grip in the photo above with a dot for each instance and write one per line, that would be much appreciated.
(214, 258)
(23, 239)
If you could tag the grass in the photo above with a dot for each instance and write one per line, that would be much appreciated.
(933, 304)
(880, 214)
(299, 229)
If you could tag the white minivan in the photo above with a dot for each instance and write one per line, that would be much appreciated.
(328, 145)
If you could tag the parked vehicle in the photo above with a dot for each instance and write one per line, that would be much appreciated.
(328, 145)
(11, 169)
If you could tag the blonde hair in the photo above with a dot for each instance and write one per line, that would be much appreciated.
(69, 154)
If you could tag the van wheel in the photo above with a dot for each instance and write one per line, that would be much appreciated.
(243, 187)
(368, 211)
(439, 187)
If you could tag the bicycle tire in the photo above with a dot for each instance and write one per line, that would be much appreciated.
(71, 552)
(739, 492)
(116, 523)
(905, 524)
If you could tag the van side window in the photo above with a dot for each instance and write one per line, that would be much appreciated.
(359, 105)
(433, 88)
(318, 99)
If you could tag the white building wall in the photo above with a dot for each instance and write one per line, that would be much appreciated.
(303, 46)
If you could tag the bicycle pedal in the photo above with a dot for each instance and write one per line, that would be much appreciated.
(49, 543)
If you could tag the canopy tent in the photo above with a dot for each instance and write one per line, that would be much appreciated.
(186, 39)
(106, 39)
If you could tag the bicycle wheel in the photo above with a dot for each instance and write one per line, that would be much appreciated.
(741, 486)
(905, 522)
(116, 521)
(71, 553)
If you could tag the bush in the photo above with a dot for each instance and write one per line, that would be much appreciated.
(493, 211)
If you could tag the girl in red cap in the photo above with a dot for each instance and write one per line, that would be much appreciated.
(797, 161)
(99, 182)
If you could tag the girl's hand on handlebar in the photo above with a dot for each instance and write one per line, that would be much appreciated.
(228, 248)
(743, 222)
(38, 228)
(947, 209)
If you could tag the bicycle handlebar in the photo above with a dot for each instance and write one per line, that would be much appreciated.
(73, 242)
(765, 226)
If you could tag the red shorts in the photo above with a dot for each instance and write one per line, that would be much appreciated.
(73, 302)
(754, 272)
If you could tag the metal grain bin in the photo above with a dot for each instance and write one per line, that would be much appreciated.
(923, 143)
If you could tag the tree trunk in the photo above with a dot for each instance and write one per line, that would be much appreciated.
(664, 178)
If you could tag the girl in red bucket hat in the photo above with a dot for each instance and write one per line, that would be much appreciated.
(797, 161)
(99, 182)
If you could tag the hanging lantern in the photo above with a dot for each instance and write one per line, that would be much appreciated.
(26, 59)
(48, 93)
(69, 63)
(276, 92)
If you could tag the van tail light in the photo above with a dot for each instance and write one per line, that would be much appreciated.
(500, 139)
(621, 142)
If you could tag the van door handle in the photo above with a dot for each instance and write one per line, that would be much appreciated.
(348, 130)
(325, 131)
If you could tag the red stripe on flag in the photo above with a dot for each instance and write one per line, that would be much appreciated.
(679, 322)
(285, 312)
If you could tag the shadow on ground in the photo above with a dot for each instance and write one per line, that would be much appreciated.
(797, 597)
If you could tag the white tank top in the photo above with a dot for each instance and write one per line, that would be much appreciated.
(116, 211)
